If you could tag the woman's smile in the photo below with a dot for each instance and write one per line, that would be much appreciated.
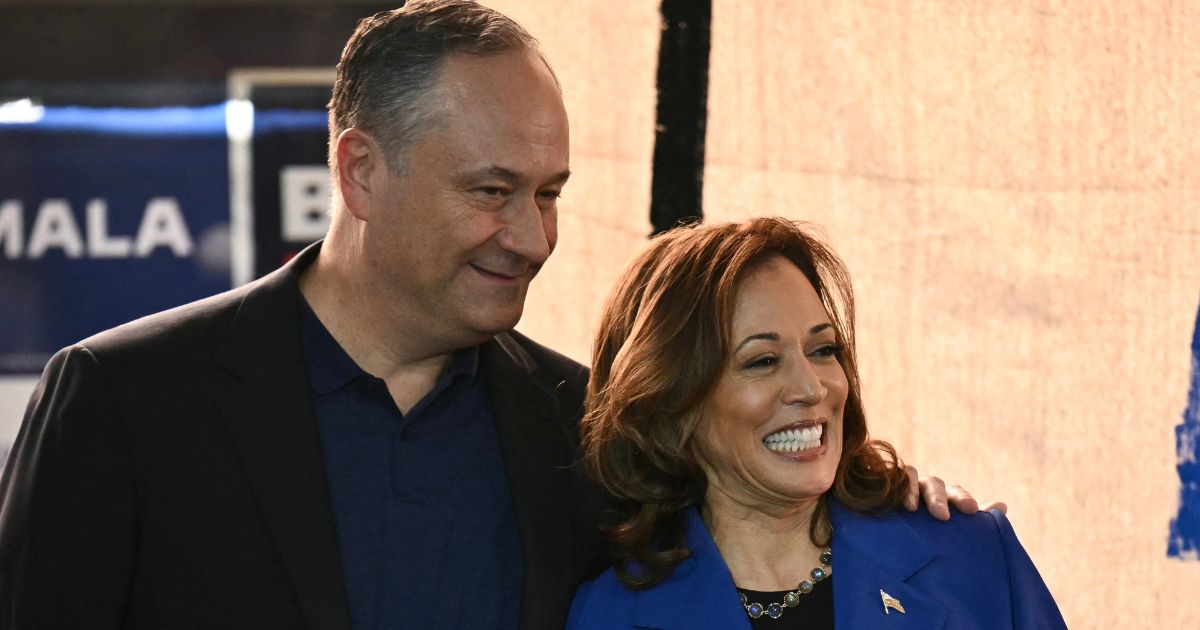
(803, 441)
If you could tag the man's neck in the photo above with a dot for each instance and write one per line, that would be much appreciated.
(379, 338)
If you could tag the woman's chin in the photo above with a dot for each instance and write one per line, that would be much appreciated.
(804, 474)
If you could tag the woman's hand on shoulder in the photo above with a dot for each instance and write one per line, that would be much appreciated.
(938, 497)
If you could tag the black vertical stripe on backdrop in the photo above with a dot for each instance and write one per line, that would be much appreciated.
(678, 177)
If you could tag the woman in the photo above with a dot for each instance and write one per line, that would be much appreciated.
(726, 423)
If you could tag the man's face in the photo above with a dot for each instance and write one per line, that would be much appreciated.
(457, 236)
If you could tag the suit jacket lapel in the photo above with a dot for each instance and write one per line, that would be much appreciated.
(537, 455)
(700, 592)
(270, 415)
(879, 554)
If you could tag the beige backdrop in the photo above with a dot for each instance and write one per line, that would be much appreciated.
(1014, 187)
(606, 56)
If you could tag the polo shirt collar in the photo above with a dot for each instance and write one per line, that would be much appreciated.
(330, 368)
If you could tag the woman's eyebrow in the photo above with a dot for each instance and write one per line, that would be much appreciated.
(769, 336)
(819, 327)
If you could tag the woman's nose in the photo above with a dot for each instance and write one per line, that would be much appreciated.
(805, 386)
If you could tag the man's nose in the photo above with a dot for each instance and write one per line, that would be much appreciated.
(527, 232)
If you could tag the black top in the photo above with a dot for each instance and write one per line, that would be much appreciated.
(814, 612)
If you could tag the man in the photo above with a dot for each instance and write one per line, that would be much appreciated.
(357, 440)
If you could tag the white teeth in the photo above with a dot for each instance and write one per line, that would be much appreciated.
(793, 440)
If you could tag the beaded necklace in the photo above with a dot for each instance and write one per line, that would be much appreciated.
(791, 599)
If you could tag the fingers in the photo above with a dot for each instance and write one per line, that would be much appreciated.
(912, 498)
(961, 499)
(933, 490)
(938, 498)
(1000, 506)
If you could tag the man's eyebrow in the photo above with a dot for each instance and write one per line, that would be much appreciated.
(560, 177)
(510, 176)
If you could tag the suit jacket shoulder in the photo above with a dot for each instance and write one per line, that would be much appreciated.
(553, 371)
(194, 424)
(194, 334)
(1031, 603)
(968, 572)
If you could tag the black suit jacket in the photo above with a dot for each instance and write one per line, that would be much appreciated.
(169, 474)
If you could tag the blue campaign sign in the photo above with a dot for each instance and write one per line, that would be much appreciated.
(106, 216)
(290, 196)
(1184, 538)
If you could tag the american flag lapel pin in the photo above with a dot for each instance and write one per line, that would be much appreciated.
(890, 603)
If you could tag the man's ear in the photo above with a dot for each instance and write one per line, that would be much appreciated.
(360, 161)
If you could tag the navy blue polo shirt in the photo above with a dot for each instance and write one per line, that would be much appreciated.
(425, 523)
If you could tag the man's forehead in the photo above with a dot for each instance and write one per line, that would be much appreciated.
(511, 73)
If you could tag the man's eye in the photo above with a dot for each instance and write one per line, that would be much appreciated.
(491, 191)
(550, 195)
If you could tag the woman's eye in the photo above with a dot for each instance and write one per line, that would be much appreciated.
(828, 351)
(762, 362)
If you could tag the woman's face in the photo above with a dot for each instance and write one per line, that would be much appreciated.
(771, 430)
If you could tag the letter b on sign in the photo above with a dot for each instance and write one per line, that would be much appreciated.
(305, 202)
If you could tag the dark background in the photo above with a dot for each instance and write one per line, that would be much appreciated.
(114, 53)
(109, 53)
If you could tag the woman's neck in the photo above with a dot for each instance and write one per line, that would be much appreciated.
(767, 548)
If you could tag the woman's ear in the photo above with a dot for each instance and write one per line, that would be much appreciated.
(359, 160)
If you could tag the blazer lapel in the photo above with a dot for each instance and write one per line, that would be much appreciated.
(269, 413)
(700, 592)
(879, 554)
(537, 456)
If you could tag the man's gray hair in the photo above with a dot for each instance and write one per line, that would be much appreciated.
(393, 59)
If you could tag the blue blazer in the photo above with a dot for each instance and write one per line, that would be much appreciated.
(969, 572)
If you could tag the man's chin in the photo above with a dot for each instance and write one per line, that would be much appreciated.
(485, 314)
(488, 323)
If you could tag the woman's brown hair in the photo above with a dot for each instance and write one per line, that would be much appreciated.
(663, 341)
